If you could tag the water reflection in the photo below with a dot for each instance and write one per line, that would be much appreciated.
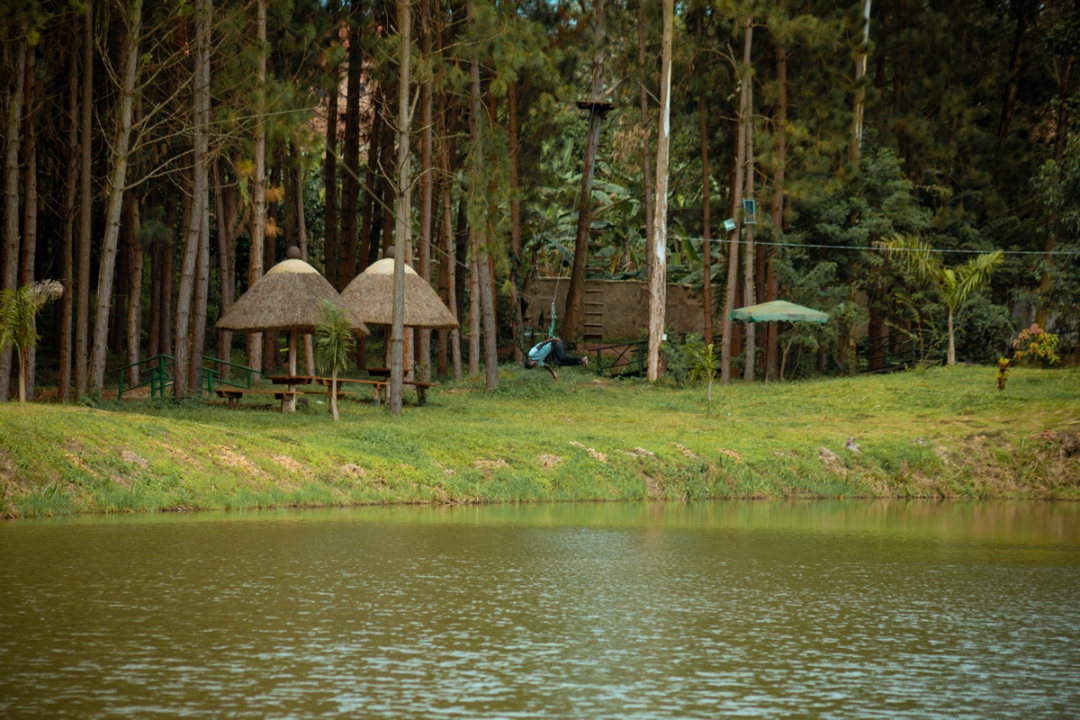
(650, 611)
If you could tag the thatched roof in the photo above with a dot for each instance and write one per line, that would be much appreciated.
(370, 297)
(287, 297)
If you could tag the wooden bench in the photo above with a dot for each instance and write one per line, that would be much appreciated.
(421, 389)
(382, 387)
(235, 395)
(379, 386)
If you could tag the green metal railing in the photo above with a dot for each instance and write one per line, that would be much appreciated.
(158, 372)
(624, 359)
(248, 373)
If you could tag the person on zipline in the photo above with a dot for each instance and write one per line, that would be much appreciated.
(552, 346)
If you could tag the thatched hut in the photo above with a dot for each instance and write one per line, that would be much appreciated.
(370, 296)
(288, 298)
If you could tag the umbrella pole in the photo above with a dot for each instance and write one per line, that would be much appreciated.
(288, 403)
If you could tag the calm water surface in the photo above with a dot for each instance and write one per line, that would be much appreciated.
(832, 610)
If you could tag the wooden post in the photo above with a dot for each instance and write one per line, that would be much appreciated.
(288, 403)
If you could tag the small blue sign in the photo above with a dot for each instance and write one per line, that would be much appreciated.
(749, 207)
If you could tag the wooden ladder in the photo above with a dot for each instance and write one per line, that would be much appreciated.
(594, 314)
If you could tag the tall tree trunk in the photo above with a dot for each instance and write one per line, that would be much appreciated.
(67, 272)
(951, 358)
(479, 242)
(402, 216)
(153, 340)
(461, 253)
(1023, 9)
(28, 258)
(202, 294)
(332, 242)
(86, 197)
(487, 309)
(168, 272)
(1061, 123)
(301, 229)
(779, 172)
(12, 133)
(575, 296)
(736, 206)
(371, 176)
(658, 236)
(202, 262)
(288, 184)
(117, 321)
(749, 265)
(135, 274)
(189, 348)
(271, 352)
(516, 273)
(474, 226)
(117, 181)
(706, 222)
(350, 181)
(186, 288)
(474, 312)
(427, 179)
(225, 264)
(382, 224)
(258, 200)
(860, 89)
(447, 263)
(646, 172)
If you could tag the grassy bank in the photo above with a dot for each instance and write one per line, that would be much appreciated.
(933, 433)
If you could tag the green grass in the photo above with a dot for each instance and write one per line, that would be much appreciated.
(933, 433)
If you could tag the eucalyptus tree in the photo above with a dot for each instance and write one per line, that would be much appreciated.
(658, 234)
(197, 240)
(403, 221)
(131, 16)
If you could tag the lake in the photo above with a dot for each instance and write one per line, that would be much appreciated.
(740, 609)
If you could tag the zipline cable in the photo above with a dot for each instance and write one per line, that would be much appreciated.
(741, 241)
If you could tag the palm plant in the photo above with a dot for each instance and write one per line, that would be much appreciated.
(333, 343)
(18, 321)
(956, 284)
(705, 369)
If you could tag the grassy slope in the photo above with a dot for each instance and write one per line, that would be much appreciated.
(936, 433)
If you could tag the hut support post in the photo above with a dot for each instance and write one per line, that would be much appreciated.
(288, 403)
